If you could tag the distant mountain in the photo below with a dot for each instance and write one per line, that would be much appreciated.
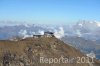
(86, 46)
(88, 29)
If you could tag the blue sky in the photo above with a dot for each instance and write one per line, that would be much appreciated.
(49, 11)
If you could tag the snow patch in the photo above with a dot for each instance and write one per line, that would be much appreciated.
(91, 55)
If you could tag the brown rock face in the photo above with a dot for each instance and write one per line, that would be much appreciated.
(44, 51)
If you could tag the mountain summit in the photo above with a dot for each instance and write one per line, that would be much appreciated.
(41, 51)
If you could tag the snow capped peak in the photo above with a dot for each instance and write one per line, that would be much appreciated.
(26, 25)
(92, 25)
(80, 24)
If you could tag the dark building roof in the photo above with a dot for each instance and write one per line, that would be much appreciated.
(48, 33)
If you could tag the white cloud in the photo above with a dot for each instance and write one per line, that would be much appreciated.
(78, 33)
(59, 33)
(98, 24)
(24, 34)
(41, 32)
